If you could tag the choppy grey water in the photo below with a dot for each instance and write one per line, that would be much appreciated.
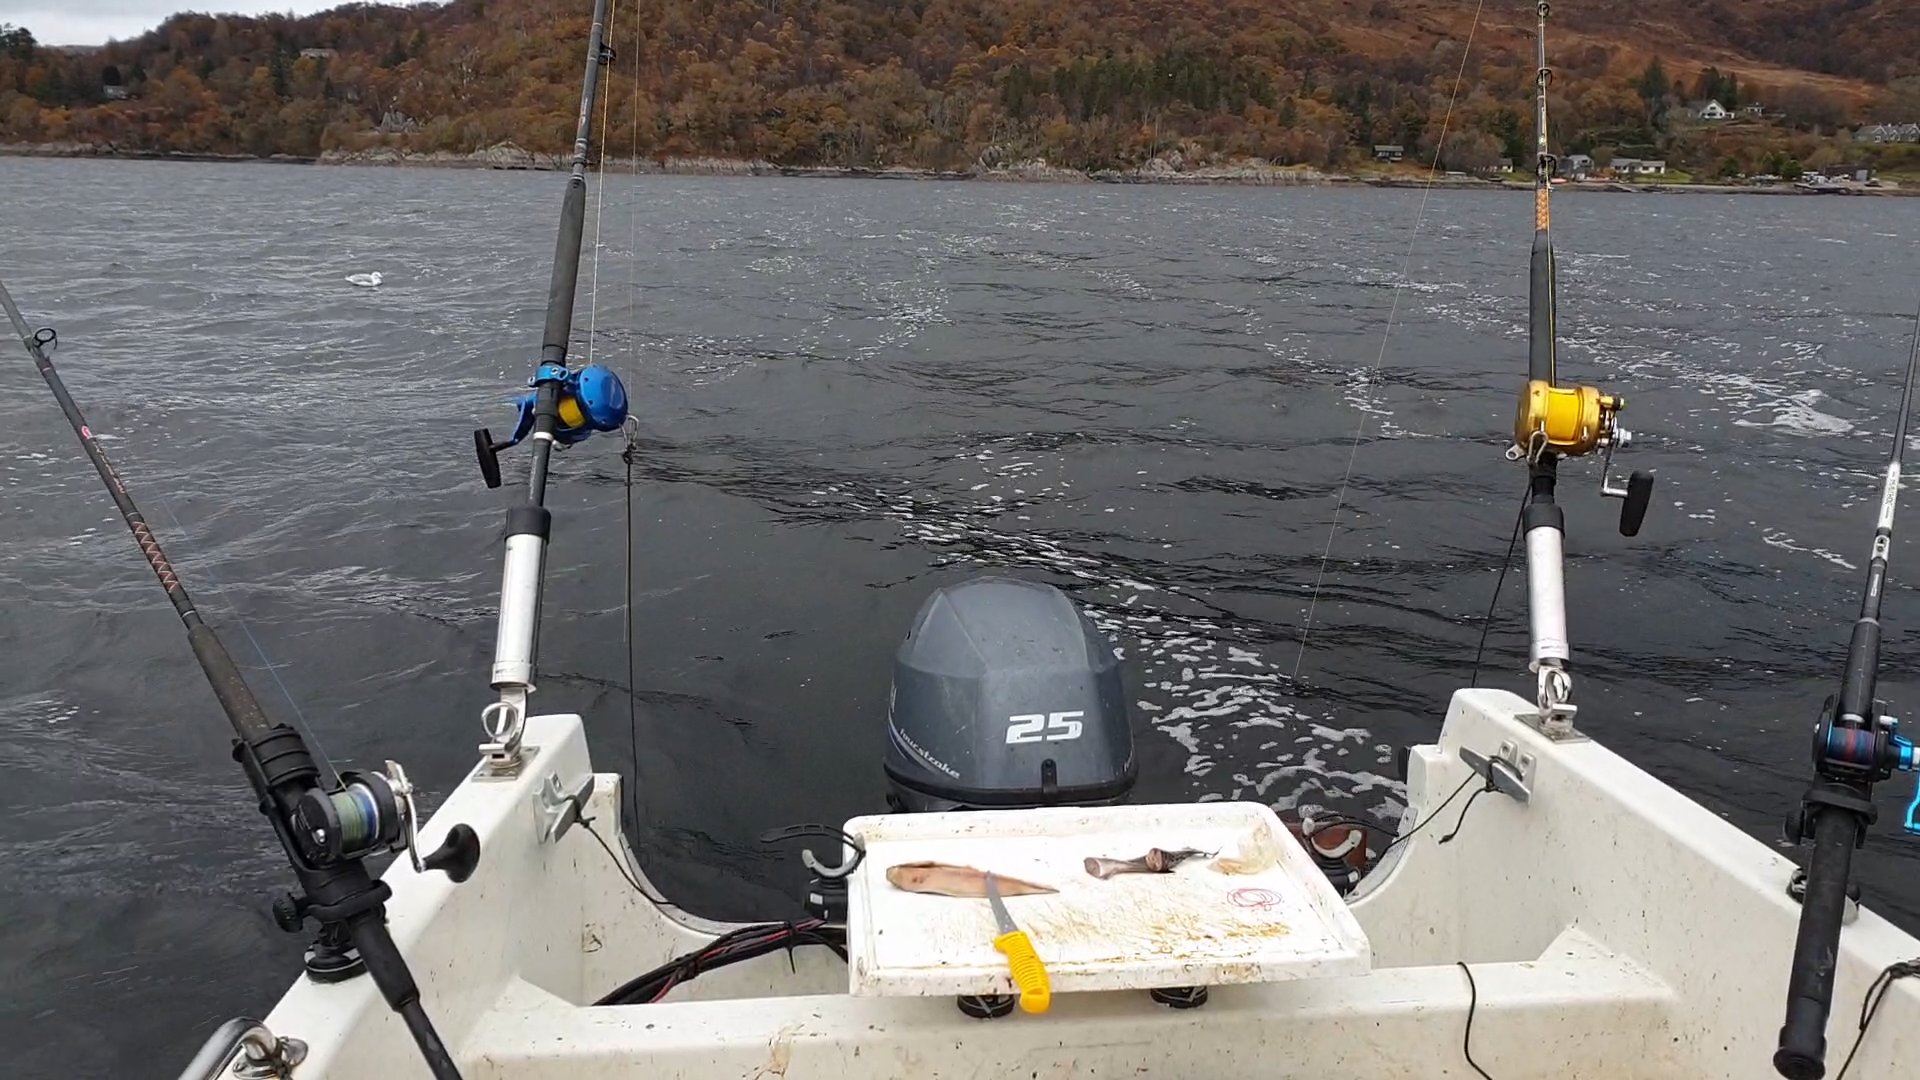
(851, 393)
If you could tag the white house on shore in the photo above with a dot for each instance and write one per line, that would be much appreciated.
(1626, 166)
(1888, 133)
(1713, 111)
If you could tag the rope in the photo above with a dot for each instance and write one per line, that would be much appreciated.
(1406, 262)
(1876, 994)
(600, 193)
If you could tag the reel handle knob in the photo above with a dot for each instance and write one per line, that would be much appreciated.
(489, 455)
(1639, 495)
(457, 855)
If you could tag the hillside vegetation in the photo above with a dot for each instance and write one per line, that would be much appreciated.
(963, 83)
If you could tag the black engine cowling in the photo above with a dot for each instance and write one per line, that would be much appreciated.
(1005, 696)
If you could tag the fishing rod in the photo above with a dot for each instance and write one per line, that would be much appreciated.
(1555, 422)
(1853, 749)
(328, 823)
(565, 406)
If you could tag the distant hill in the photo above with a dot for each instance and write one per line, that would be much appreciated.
(959, 83)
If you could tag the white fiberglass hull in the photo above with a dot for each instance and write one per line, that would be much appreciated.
(1613, 928)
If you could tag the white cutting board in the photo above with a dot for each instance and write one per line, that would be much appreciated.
(1196, 926)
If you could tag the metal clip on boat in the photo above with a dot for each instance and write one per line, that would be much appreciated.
(1553, 422)
(826, 896)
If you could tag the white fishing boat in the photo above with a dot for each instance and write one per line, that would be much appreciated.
(1544, 909)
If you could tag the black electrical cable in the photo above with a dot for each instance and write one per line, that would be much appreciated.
(1430, 818)
(1871, 1004)
(1313, 828)
(1473, 1006)
(1462, 819)
(1486, 621)
(745, 943)
(659, 902)
(1396, 841)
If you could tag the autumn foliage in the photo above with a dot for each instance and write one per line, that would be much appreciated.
(951, 83)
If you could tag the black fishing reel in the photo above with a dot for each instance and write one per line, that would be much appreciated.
(367, 815)
(374, 812)
(370, 813)
(328, 832)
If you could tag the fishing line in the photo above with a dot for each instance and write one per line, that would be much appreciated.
(1406, 262)
(1486, 621)
(600, 197)
(240, 620)
(633, 191)
(47, 340)
(633, 707)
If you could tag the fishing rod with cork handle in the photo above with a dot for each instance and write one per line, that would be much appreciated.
(328, 823)
(1555, 422)
(1854, 747)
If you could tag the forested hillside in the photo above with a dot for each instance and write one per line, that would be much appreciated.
(964, 83)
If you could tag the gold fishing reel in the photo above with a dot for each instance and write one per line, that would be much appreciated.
(1568, 421)
(1565, 420)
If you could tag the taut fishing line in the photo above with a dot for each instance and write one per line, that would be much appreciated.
(600, 198)
(1393, 311)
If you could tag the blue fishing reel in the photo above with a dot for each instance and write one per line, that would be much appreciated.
(1869, 754)
(589, 399)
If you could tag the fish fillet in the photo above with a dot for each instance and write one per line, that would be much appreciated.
(946, 879)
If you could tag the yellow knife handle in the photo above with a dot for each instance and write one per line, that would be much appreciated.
(1029, 974)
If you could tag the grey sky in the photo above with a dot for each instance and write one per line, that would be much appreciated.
(92, 22)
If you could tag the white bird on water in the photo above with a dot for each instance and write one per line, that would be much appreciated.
(365, 281)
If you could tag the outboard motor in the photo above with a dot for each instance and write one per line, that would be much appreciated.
(1005, 696)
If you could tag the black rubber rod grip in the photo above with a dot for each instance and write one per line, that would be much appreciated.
(1803, 1038)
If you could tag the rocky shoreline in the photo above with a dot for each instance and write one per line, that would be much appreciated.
(1169, 169)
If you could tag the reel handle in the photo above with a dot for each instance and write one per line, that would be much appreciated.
(457, 855)
(488, 453)
(1634, 511)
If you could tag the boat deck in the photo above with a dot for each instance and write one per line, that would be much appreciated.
(1610, 927)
